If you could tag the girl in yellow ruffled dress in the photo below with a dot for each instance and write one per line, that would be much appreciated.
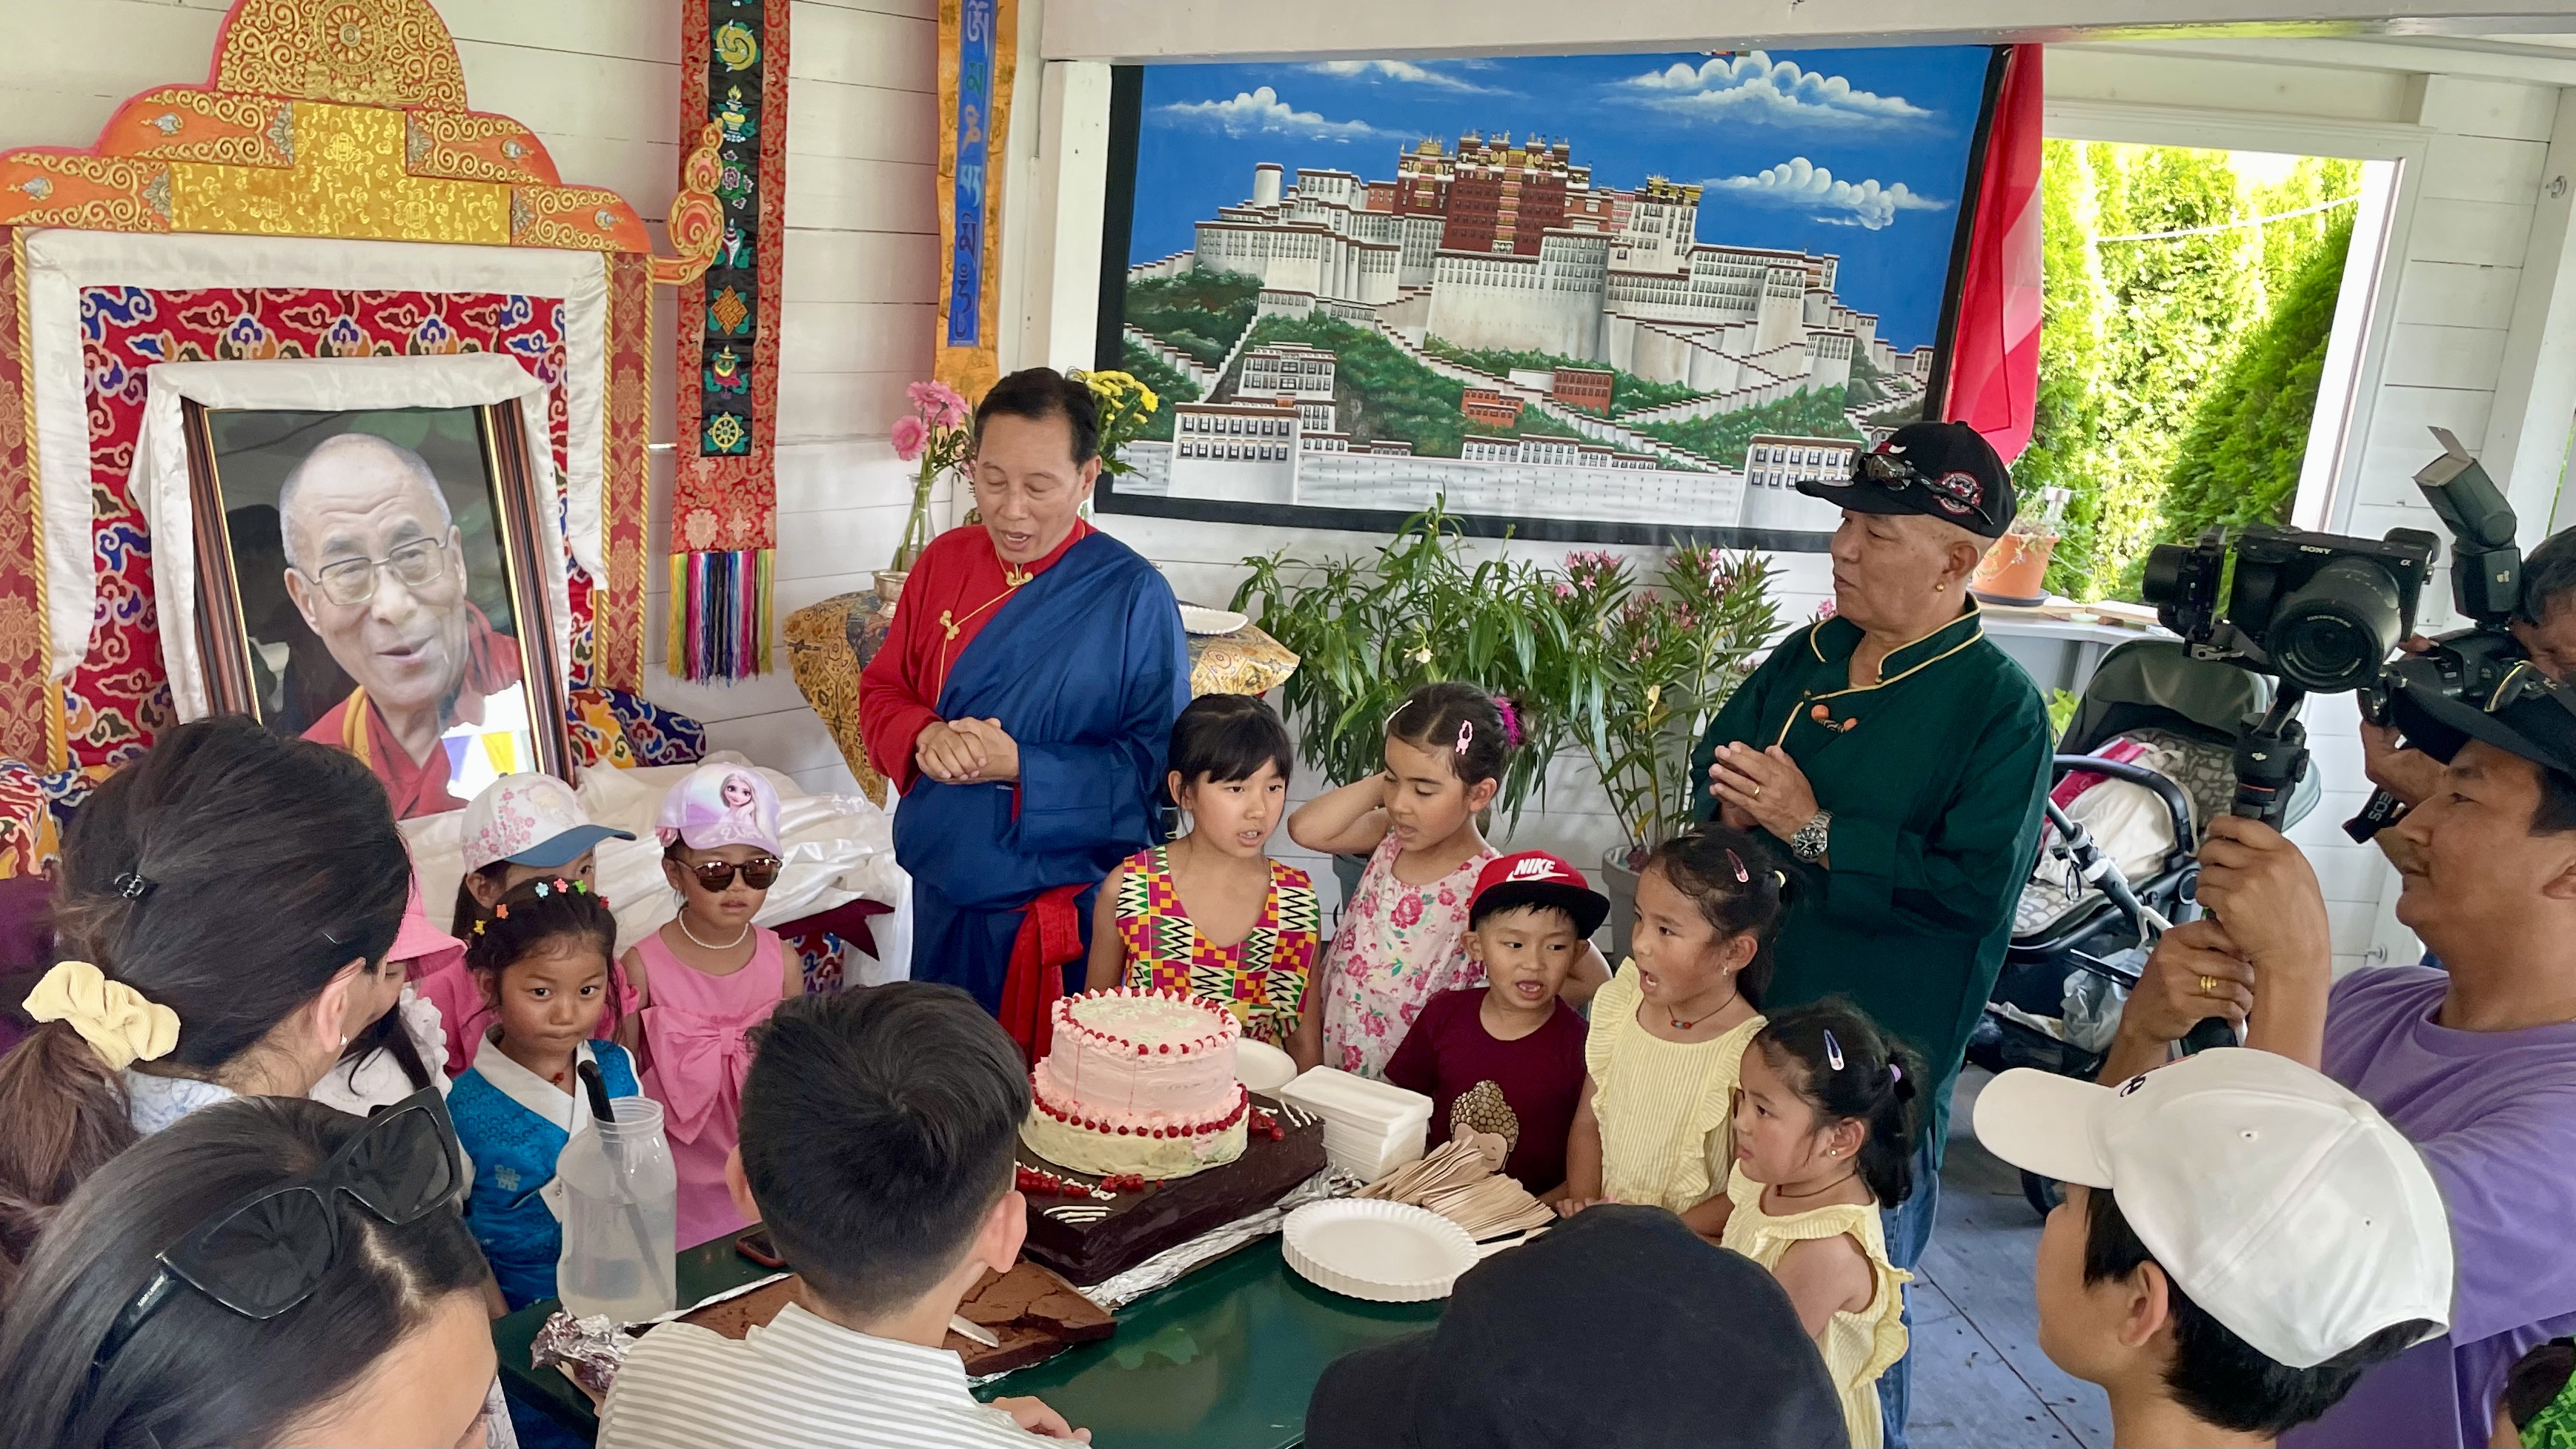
(1669, 1031)
(1824, 1138)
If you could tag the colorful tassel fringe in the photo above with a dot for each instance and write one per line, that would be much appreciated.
(720, 621)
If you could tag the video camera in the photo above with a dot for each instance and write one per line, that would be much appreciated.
(2323, 612)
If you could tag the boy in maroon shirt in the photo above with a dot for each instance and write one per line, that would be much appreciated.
(1507, 1057)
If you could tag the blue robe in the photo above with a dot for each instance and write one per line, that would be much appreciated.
(495, 1105)
(1086, 667)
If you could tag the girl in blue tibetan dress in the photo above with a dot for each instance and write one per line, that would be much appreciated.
(542, 963)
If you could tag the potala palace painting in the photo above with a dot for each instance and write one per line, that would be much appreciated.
(1588, 297)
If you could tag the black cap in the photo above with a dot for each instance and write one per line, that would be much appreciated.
(2525, 714)
(1946, 470)
(1620, 1327)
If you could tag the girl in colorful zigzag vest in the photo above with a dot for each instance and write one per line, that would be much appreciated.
(1211, 914)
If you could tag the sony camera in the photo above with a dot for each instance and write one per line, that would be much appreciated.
(2320, 610)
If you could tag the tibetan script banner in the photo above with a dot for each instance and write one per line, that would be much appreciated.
(978, 48)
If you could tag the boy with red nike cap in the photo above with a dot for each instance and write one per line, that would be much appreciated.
(1507, 1057)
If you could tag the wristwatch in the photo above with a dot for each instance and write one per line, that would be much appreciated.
(1809, 842)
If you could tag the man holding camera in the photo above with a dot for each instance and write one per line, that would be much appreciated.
(2543, 624)
(2477, 1066)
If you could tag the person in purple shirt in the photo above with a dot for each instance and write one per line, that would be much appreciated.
(2476, 1064)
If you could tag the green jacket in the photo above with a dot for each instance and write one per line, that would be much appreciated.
(1935, 788)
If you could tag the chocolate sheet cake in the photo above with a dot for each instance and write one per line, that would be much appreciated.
(1099, 1231)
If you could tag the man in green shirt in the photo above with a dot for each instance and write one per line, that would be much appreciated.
(1900, 760)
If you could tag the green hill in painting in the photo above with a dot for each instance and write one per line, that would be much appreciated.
(1198, 312)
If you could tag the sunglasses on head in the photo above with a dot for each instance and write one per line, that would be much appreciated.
(1894, 473)
(271, 1250)
(716, 875)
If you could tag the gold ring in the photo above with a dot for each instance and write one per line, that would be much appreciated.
(1757, 792)
(2209, 986)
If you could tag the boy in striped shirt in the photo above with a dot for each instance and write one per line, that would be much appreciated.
(877, 1135)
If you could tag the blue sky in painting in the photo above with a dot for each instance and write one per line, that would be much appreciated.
(1862, 153)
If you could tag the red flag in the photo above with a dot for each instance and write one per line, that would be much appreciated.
(1994, 354)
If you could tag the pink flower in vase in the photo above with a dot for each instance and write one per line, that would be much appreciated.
(938, 402)
(908, 435)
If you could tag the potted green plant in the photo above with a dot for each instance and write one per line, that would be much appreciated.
(1369, 631)
(1641, 669)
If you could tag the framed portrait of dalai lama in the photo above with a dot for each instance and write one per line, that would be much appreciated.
(369, 579)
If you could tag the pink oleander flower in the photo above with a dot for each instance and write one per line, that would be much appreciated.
(938, 404)
(1824, 610)
(908, 436)
(1564, 590)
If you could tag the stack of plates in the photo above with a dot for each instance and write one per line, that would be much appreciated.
(1370, 1128)
(1389, 1252)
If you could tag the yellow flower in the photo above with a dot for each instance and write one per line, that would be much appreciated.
(1653, 692)
(1152, 403)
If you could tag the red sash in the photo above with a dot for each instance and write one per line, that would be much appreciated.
(1050, 937)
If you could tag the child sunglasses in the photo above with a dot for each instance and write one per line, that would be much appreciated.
(271, 1250)
(716, 875)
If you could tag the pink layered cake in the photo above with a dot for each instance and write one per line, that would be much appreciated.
(1138, 1083)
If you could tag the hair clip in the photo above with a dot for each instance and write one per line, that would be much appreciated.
(1742, 876)
(1512, 732)
(1833, 1050)
(1895, 1074)
(542, 891)
(1466, 734)
(501, 912)
(478, 928)
(132, 885)
(1780, 880)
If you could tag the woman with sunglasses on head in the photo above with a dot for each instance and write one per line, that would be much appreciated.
(232, 896)
(266, 1272)
(1900, 759)
(702, 982)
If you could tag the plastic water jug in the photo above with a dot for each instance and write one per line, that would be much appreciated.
(620, 1212)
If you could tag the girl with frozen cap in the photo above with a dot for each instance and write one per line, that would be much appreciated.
(704, 980)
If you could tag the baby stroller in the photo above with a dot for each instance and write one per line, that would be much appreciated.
(2147, 761)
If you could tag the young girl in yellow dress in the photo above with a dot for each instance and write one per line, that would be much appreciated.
(1824, 1138)
(1211, 914)
(1669, 1031)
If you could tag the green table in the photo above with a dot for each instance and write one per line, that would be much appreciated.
(1226, 1356)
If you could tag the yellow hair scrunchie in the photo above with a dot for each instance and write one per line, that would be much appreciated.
(121, 1024)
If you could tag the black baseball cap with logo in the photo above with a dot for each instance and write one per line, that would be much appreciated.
(1945, 470)
(2526, 714)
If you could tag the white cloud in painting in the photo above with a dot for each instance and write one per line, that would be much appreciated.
(1753, 87)
(1800, 183)
(1260, 111)
(1400, 70)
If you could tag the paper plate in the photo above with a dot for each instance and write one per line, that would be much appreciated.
(1386, 1252)
(1200, 619)
(1263, 1067)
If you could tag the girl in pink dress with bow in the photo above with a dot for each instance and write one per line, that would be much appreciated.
(706, 979)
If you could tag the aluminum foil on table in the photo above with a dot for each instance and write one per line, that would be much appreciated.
(1170, 1265)
(589, 1350)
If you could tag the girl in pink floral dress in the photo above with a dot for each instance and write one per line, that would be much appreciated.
(1403, 933)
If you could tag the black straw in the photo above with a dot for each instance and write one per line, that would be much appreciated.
(592, 1082)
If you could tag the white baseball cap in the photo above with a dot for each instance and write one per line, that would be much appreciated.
(2282, 1204)
(530, 819)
